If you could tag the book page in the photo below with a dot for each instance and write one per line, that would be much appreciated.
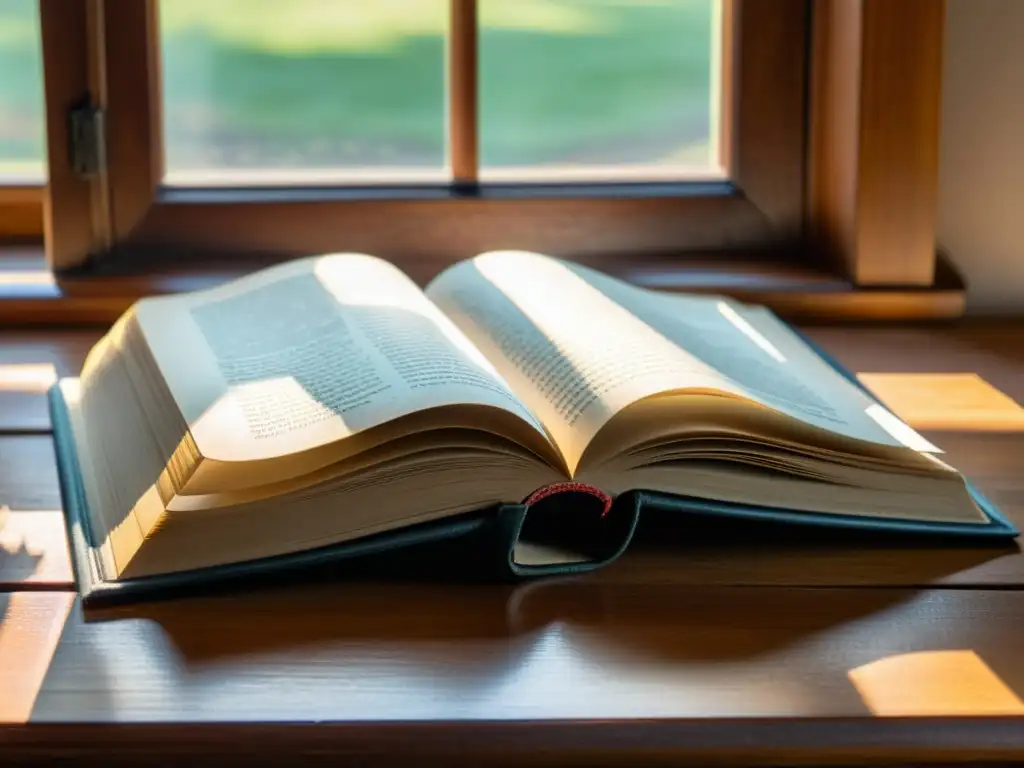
(579, 346)
(312, 352)
(762, 359)
(575, 357)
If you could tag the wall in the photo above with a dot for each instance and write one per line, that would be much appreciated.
(981, 198)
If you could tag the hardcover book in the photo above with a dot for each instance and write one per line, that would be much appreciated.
(532, 407)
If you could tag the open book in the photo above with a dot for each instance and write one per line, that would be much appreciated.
(330, 399)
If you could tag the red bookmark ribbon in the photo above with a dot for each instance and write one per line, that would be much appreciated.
(551, 490)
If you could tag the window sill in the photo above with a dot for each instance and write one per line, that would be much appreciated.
(31, 296)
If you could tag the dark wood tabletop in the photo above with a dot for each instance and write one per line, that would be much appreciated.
(709, 644)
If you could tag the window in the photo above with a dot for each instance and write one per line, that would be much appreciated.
(416, 130)
(302, 92)
(598, 91)
(354, 91)
(22, 158)
(640, 136)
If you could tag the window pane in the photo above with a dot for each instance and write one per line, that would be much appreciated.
(22, 126)
(599, 85)
(284, 90)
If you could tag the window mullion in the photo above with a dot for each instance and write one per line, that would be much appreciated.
(462, 92)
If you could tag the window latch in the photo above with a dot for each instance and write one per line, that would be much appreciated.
(86, 131)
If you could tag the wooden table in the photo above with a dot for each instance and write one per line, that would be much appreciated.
(725, 645)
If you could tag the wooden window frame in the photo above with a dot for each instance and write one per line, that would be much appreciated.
(432, 225)
(874, 138)
(831, 109)
(21, 212)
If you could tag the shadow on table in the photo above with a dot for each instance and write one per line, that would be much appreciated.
(428, 600)
(661, 622)
(17, 566)
(704, 549)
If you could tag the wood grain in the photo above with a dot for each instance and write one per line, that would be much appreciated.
(31, 624)
(671, 673)
(27, 360)
(874, 136)
(28, 473)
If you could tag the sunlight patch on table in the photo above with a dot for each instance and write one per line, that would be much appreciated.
(33, 277)
(933, 684)
(30, 631)
(946, 401)
(27, 377)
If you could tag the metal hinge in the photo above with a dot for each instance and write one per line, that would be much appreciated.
(86, 130)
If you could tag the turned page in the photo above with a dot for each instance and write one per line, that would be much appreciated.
(579, 346)
(311, 352)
